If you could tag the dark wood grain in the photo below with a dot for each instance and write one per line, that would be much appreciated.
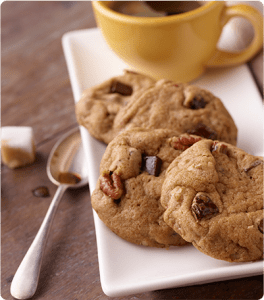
(36, 92)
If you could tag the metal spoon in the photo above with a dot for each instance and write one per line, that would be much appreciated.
(65, 168)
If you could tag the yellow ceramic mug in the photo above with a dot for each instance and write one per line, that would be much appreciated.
(177, 47)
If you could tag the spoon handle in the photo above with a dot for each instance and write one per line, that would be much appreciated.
(25, 281)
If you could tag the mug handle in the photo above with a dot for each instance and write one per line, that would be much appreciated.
(224, 58)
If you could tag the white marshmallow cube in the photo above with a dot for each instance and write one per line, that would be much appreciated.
(17, 146)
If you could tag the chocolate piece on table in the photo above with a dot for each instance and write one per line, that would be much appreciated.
(41, 191)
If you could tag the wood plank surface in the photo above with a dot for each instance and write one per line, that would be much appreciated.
(36, 92)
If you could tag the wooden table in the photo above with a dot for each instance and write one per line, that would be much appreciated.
(36, 92)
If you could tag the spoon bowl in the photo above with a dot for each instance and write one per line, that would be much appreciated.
(65, 168)
(65, 163)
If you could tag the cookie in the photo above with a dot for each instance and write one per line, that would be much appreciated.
(182, 107)
(213, 196)
(99, 105)
(127, 194)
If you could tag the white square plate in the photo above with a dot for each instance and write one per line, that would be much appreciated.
(126, 268)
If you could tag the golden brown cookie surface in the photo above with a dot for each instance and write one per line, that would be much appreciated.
(127, 195)
(213, 196)
(99, 105)
(134, 100)
(182, 107)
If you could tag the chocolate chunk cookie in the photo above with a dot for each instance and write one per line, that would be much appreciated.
(180, 107)
(134, 100)
(213, 196)
(127, 195)
(99, 105)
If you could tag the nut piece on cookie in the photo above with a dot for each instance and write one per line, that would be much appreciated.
(184, 141)
(111, 185)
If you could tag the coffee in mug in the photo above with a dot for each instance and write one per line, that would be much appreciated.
(154, 8)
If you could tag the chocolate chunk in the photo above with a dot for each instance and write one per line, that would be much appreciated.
(151, 164)
(41, 191)
(197, 103)
(260, 226)
(203, 207)
(253, 165)
(203, 131)
(121, 88)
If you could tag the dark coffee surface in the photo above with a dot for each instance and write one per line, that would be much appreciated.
(154, 8)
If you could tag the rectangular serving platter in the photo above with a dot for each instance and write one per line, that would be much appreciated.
(126, 268)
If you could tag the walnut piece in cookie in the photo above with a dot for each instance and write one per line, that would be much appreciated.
(111, 185)
(213, 197)
(184, 141)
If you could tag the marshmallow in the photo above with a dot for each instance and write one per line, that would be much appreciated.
(17, 146)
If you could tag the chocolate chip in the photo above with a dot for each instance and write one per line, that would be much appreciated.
(203, 131)
(203, 207)
(121, 88)
(260, 226)
(151, 164)
(41, 191)
(197, 103)
(253, 165)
